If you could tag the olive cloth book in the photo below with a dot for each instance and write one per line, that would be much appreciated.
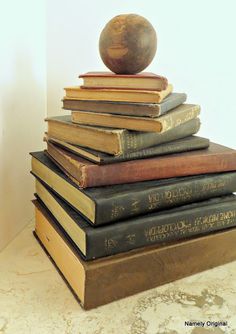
(125, 274)
(216, 158)
(125, 95)
(155, 228)
(104, 205)
(127, 108)
(174, 118)
(114, 141)
(109, 80)
(190, 143)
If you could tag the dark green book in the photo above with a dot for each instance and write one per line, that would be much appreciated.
(156, 228)
(102, 205)
(190, 143)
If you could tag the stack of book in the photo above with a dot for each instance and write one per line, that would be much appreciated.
(127, 196)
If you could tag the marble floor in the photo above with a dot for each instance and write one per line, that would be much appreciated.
(34, 299)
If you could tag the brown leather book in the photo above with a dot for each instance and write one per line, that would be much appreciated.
(142, 81)
(86, 174)
(125, 274)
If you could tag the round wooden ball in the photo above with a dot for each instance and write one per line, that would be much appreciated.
(128, 44)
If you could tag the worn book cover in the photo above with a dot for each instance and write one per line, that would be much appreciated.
(177, 116)
(155, 228)
(138, 270)
(216, 158)
(103, 205)
(142, 81)
(125, 95)
(189, 143)
(127, 108)
(114, 141)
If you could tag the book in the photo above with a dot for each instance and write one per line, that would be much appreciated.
(103, 205)
(114, 141)
(143, 81)
(215, 158)
(174, 118)
(127, 108)
(156, 228)
(190, 143)
(125, 95)
(125, 274)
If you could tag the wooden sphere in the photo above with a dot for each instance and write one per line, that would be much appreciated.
(128, 44)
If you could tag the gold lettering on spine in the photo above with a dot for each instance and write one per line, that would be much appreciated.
(135, 206)
(153, 201)
(184, 193)
(117, 211)
(181, 193)
(131, 141)
(213, 186)
(188, 226)
(130, 239)
(110, 243)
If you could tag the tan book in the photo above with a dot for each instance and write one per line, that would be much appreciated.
(174, 118)
(143, 81)
(102, 281)
(111, 140)
(123, 95)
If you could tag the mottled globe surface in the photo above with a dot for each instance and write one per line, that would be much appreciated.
(128, 44)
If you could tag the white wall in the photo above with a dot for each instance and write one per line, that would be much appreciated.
(196, 51)
(22, 108)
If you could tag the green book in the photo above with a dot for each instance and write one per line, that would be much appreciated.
(127, 108)
(190, 143)
(114, 141)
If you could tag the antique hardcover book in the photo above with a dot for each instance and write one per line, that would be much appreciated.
(103, 205)
(143, 96)
(86, 174)
(127, 108)
(189, 143)
(155, 228)
(174, 118)
(143, 81)
(114, 141)
(125, 274)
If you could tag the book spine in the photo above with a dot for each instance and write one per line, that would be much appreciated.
(157, 229)
(159, 89)
(176, 118)
(134, 141)
(181, 145)
(154, 197)
(122, 108)
(169, 104)
(159, 168)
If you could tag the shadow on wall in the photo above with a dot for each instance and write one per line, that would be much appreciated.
(23, 107)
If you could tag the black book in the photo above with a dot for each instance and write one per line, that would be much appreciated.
(102, 205)
(156, 228)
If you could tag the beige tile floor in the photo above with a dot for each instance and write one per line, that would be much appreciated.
(34, 299)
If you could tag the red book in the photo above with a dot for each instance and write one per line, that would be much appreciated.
(143, 81)
(86, 174)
